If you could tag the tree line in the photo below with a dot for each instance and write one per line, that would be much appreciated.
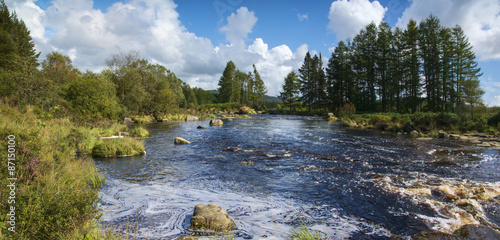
(425, 67)
(129, 85)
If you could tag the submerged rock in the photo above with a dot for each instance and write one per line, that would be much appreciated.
(211, 217)
(201, 127)
(179, 140)
(216, 122)
(443, 135)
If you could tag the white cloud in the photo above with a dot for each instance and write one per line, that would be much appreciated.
(239, 25)
(348, 17)
(303, 17)
(152, 27)
(480, 20)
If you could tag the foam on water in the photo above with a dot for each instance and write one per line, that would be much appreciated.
(164, 211)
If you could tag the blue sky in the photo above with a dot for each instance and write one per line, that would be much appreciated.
(195, 38)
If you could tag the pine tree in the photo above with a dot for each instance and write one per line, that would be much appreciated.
(260, 87)
(291, 90)
(412, 66)
(306, 81)
(226, 83)
(339, 74)
(430, 52)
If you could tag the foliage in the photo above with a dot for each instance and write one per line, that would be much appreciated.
(93, 97)
(303, 233)
(117, 147)
(291, 90)
(55, 193)
(139, 132)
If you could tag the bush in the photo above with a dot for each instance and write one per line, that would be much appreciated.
(495, 120)
(448, 121)
(381, 119)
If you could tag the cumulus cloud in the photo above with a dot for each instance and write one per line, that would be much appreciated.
(239, 25)
(479, 19)
(152, 27)
(348, 17)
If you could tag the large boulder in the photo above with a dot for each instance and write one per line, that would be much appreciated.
(192, 119)
(179, 140)
(216, 122)
(211, 217)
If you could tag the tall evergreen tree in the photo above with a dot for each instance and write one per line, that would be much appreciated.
(339, 74)
(430, 47)
(412, 66)
(259, 86)
(291, 89)
(226, 83)
(306, 81)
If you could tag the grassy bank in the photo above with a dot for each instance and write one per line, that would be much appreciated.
(426, 123)
(53, 181)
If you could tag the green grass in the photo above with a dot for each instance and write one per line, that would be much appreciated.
(303, 233)
(118, 147)
(56, 193)
(139, 131)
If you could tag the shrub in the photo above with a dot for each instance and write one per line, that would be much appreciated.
(495, 120)
(381, 119)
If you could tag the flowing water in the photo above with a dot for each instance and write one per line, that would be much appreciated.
(344, 183)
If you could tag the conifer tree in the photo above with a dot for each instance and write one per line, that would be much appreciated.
(291, 89)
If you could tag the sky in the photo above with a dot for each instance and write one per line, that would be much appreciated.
(196, 38)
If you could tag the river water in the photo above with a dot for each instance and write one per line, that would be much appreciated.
(344, 183)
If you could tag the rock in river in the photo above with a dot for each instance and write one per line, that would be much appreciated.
(179, 140)
(216, 122)
(211, 217)
(192, 119)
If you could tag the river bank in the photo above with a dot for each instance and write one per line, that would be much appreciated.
(54, 182)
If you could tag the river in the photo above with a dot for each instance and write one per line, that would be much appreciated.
(344, 183)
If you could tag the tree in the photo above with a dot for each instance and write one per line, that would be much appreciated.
(259, 86)
(430, 52)
(339, 75)
(306, 81)
(58, 68)
(226, 83)
(291, 89)
(412, 66)
(94, 97)
(472, 93)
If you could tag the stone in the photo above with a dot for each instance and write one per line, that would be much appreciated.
(443, 134)
(477, 232)
(192, 119)
(414, 133)
(179, 140)
(187, 238)
(216, 122)
(434, 236)
(127, 121)
(211, 217)
(163, 120)
(201, 127)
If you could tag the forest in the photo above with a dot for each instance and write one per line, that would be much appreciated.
(424, 68)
